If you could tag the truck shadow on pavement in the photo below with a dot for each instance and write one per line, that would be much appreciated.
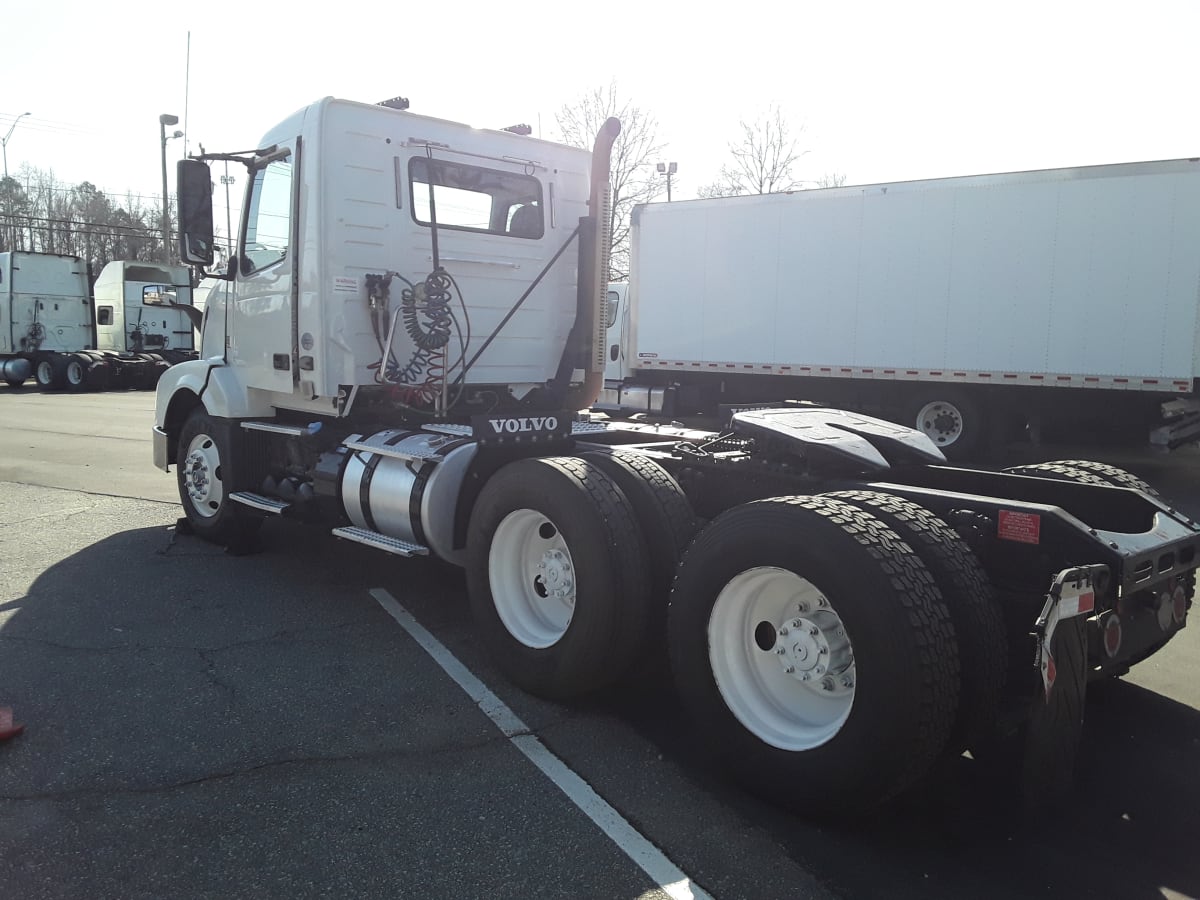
(148, 664)
(1122, 832)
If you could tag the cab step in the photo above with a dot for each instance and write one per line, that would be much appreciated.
(261, 502)
(380, 541)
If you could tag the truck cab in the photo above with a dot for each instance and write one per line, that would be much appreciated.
(351, 209)
(135, 308)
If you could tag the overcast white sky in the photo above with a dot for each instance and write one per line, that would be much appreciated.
(884, 91)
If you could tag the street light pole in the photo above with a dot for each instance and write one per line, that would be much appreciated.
(7, 136)
(163, 121)
(668, 169)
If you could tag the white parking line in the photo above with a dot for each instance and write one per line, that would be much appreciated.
(633, 843)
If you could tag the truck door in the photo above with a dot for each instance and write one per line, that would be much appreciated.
(615, 352)
(262, 336)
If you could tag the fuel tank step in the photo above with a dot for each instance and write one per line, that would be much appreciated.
(380, 541)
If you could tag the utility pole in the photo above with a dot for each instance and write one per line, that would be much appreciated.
(11, 128)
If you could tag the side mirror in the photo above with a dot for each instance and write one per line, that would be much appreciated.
(194, 187)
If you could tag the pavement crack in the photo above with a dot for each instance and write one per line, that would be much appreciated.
(229, 774)
(278, 637)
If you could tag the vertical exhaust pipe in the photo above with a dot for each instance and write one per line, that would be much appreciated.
(593, 289)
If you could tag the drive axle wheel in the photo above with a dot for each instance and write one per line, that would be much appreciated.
(556, 576)
(796, 633)
(970, 600)
(813, 648)
(50, 372)
(204, 468)
(75, 373)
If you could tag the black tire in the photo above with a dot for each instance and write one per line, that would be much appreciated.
(205, 471)
(49, 370)
(1109, 474)
(949, 418)
(665, 518)
(569, 515)
(100, 374)
(1057, 471)
(149, 372)
(972, 604)
(822, 556)
(75, 373)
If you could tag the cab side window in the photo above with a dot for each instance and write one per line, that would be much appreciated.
(269, 222)
(475, 198)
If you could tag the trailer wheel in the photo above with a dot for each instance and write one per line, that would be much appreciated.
(665, 519)
(204, 473)
(811, 645)
(50, 372)
(1105, 473)
(949, 418)
(557, 576)
(972, 604)
(75, 372)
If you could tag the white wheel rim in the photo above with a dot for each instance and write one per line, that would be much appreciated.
(202, 476)
(781, 658)
(532, 578)
(941, 422)
(45, 372)
(75, 373)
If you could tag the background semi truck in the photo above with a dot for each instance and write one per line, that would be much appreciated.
(958, 306)
(415, 312)
(64, 332)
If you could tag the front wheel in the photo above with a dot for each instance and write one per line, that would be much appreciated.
(812, 647)
(204, 468)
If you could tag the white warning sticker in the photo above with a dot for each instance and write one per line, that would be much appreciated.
(345, 284)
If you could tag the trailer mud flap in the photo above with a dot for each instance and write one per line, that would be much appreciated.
(1051, 735)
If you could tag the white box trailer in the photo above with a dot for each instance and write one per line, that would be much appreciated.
(948, 302)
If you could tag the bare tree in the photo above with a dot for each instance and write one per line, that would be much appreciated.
(831, 179)
(42, 214)
(637, 148)
(762, 159)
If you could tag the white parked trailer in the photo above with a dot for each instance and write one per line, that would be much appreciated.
(1042, 293)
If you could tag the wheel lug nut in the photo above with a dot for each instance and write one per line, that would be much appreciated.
(789, 669)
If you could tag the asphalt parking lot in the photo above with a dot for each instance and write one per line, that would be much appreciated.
(201, 724)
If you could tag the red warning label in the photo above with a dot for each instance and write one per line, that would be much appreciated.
(1025, 528)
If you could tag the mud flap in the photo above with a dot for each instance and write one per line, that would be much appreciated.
(1051, 735)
